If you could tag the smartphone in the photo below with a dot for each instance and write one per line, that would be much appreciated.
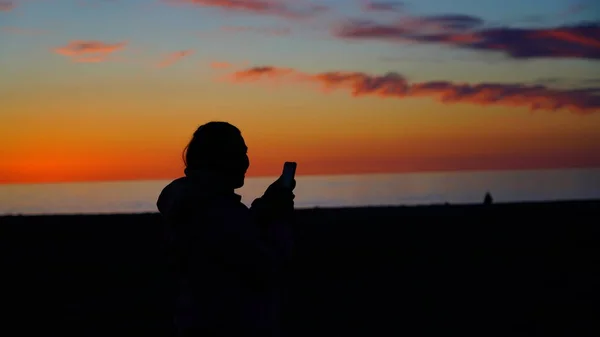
(289, 172)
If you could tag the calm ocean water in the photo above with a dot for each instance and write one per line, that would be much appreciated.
(318, 191)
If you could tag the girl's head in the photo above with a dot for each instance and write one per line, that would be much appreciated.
(218, 148)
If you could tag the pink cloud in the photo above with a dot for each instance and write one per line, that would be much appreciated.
(382, 6)
(79, 47)
(575, 41)
(80, 51)
(7, 6)
(393, 85)
(174, 57)
(266, 7)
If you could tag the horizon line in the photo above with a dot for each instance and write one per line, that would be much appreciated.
(313, 175)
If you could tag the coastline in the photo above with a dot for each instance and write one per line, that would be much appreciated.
(425, 209)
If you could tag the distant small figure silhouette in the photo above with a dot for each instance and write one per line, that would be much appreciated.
(488, 200)
(229, 259)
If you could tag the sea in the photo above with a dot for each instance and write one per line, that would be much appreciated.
(463, 187)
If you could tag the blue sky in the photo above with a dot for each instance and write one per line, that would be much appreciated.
(160, 28)
(155, 29)
(92, 88)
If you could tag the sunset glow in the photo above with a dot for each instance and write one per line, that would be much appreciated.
(112, 90)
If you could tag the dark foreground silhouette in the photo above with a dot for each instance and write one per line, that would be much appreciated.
(229, 261)
(481, 270)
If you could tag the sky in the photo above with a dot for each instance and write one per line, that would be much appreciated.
(94, 90)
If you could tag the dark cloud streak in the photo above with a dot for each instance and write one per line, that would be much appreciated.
(575, 41)
(383, 6)
(264, 7)
(393, 85)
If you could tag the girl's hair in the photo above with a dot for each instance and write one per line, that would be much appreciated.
(211, 145)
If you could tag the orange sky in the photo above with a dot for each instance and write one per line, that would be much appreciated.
(84, 100)
(109, 138)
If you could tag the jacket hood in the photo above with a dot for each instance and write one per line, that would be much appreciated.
(186, 194)
(171, 200)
